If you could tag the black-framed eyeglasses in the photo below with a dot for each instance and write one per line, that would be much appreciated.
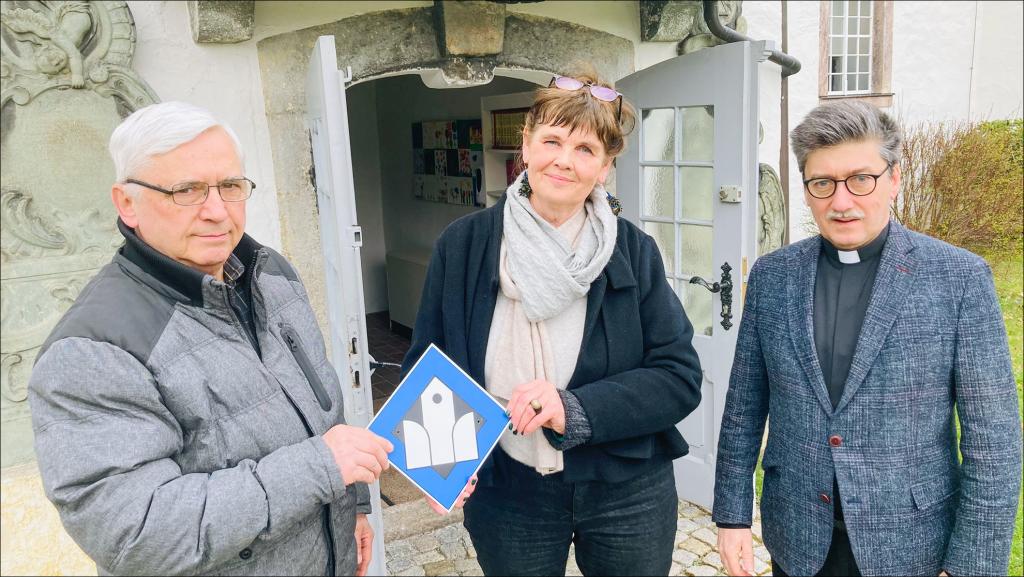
(193, 193)
(599, 92)
(857, 184)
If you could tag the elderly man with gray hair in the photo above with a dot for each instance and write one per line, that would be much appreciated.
(862, 346)
(186, 417)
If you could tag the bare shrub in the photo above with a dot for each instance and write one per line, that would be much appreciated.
(964, 183)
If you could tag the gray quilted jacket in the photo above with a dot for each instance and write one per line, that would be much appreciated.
(171, 445)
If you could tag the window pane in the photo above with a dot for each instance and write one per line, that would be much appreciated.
(837, 64)
(851, 82)
(697, 186)
(659, 193)
(851, 45)
(698, 137)
(853, 9)
(697, 302)
(837, 46)
(865, 45)
(836, 83)
(838, 7)
(862, 82)
(865, 8)
(695, 256)
(659, 130)
(865, 26)
(837, 25)
(663, 237)
(863, 64)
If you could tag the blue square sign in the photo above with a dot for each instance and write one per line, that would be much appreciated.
(443, 426)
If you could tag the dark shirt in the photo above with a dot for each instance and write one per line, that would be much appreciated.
(842, 291)
(173, 273)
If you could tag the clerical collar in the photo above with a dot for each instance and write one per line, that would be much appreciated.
(866, 252)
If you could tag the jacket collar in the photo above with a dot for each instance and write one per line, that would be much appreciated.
(892, 286)
(186, 281)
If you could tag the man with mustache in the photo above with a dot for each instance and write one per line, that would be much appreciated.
(186, 418)
(863, 346)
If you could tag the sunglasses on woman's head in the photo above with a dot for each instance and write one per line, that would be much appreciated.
(599, 92)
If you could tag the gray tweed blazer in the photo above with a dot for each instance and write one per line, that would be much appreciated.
(933, 346)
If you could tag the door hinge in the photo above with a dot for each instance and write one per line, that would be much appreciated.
(355, 234)
(730, 193)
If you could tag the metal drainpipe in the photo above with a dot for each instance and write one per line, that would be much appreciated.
(789, 64)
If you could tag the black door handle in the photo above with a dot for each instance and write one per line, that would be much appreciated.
(724, 287)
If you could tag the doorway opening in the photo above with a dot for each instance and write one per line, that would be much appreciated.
(399, 229)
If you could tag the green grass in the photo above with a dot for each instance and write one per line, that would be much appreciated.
(1008, 273)
(1007, 269)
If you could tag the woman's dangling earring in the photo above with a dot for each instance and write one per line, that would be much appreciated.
(524, 187)
(615, 203)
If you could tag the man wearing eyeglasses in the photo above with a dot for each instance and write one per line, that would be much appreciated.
(862, 346)
(186, 418)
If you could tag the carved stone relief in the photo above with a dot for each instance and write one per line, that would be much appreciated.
(771, 211)
(66, 83)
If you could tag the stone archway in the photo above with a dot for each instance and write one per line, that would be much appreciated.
(460, 43)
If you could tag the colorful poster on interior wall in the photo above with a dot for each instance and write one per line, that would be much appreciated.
(447, 161)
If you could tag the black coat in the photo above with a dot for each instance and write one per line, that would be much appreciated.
(637, 375)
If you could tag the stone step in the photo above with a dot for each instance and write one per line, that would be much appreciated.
(415, 517)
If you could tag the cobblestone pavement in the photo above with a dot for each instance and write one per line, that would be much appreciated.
(448, 551)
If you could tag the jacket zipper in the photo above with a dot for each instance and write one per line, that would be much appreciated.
(325, 511)
(291, 338)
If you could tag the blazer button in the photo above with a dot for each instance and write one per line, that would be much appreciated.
(825, 499)
(245, 554)
(835, 440)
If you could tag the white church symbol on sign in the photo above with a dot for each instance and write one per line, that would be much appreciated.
(439, 430)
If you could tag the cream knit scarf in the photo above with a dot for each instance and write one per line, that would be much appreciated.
(543, 276)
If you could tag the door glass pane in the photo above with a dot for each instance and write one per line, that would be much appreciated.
(659, 130)
(664, 238)
(696, 250)
(696, 183)
(659, 192)
(697, 303)
(698, 133)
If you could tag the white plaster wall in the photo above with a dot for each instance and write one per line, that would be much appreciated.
(764, 22)
(931, 60)
(802, 30)
(223, 78)
(998, 61)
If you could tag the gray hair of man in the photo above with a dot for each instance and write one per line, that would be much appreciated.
(842, 122)
(158, 129)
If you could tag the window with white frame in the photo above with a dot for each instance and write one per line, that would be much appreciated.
(849, 42)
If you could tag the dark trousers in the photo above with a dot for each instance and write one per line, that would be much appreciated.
(525, 527)
(839, 561)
